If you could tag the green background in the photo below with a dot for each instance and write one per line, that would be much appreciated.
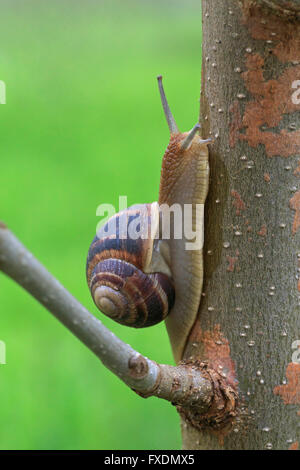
(82, 125)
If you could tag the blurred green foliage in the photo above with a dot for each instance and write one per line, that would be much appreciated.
(82, 125)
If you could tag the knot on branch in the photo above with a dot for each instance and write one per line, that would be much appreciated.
(223, 407)
(183, 385)
(137, 366)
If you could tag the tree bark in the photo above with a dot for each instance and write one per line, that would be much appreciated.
(248, 323)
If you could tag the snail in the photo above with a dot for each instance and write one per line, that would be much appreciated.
(143, 279)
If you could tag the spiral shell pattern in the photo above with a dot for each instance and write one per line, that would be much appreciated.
(119, 286)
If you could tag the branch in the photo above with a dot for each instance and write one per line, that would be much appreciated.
(182, 385)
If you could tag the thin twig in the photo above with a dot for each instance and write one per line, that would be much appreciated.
(181, 385)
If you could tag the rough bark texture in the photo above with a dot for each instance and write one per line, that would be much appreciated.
(249, 313)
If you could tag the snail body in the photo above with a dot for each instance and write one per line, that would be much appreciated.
(141, 280)
(190, 187)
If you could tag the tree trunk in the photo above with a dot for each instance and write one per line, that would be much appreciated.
(248, 323)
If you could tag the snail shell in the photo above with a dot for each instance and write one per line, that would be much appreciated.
(128, 270)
